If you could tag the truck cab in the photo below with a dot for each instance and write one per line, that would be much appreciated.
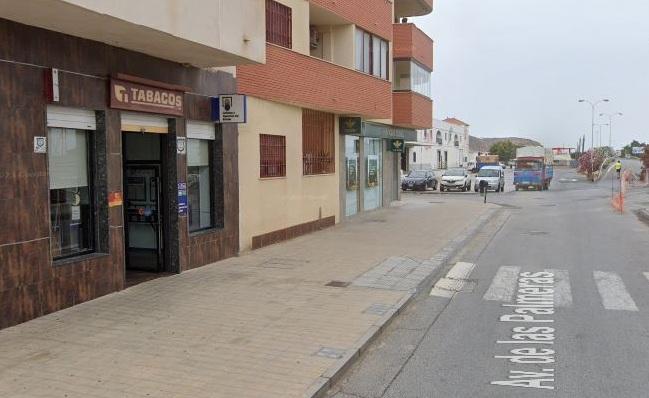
(532, 173)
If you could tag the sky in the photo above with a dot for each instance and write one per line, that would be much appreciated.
(519, 67)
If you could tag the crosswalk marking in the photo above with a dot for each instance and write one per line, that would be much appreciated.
(613, 292)
(646, 275)
(562, 294)
(454, 281)
(503, 285)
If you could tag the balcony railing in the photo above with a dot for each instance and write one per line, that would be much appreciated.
(301, 80)
(410, 42)
(412, 110)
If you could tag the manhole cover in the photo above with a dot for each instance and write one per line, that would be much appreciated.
(508, 206)
(376, 220)
(337, 284)
(434, 202)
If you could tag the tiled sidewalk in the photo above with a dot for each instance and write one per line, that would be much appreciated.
(264, 324)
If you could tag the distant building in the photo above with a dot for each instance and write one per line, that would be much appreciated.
(445, 145)
(562, 156)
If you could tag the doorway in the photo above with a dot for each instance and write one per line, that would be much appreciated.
(144, 201)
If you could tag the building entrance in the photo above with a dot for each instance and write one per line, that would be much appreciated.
(143, 204)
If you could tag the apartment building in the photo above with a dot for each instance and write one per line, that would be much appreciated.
(444, 146)
(322, 130)
(113, 167)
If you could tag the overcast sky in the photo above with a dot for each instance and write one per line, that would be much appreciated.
(518, 67)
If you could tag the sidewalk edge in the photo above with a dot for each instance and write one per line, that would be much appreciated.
(320, 387)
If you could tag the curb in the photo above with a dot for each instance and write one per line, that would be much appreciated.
(320, 387)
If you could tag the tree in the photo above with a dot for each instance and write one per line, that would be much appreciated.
(627, 149)
(506, 150)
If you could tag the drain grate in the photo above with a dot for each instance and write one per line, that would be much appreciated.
(337, 284)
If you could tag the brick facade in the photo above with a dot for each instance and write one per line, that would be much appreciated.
(412, 110)
(308, 82)
(411, 43)
(377, 21)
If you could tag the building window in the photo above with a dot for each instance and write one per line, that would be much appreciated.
(278, 24)
(199, 184)
(371, 54)
(272, 156)
(318, 148)
(410, 76)
(438, 138)
(71, 196)
(414, 157)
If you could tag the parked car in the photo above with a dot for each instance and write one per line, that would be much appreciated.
(419, 180)
(455, 179)
(494, 176)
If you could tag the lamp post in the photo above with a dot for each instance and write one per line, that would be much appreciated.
(610, 125)
(592, 127)
(600, 132)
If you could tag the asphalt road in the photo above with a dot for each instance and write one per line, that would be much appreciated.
(591, 337)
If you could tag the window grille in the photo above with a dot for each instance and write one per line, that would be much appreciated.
(318, 148)
(272, 156)
(278, 24)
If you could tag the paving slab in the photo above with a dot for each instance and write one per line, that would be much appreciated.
(264, 324)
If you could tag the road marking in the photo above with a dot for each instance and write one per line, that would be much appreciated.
(562, 294)
(454, 280)
(613, 292)
(646, 275)
(503, 285)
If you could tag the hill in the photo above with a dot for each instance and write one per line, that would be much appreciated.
(478, 144)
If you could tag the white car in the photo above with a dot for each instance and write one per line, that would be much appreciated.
(455, 179)
(493, 176)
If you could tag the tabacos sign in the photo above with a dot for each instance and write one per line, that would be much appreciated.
(139, 97)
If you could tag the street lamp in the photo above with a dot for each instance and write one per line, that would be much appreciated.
(610, 125)
(592, 127)
(600, 132)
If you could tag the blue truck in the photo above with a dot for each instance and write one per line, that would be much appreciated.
(533, 168)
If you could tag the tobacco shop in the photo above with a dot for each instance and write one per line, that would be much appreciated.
(114, 170)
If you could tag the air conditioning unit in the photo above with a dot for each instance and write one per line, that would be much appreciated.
(314, 37)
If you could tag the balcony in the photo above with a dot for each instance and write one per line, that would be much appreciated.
(355, 11)
(412, 110)
(411, 43)
(202, 35)
(308, 82)
(412, 8)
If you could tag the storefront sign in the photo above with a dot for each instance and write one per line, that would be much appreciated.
(350, 125)
(377, 130)
(115, 199)
(397, 145)
(182, 198)
(637, 150)
(40, 144)
(139, 97)
(229, 108)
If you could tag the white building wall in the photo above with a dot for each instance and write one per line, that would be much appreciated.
(436, 149)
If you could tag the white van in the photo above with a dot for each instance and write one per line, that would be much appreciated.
(494, 176)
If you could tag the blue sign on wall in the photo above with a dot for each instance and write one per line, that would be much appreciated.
(182, 198)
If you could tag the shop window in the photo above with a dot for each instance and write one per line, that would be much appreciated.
(278, 24)
(200, 175)
(318, 146)
(371, 54)
(71, 192)
(272, 156)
